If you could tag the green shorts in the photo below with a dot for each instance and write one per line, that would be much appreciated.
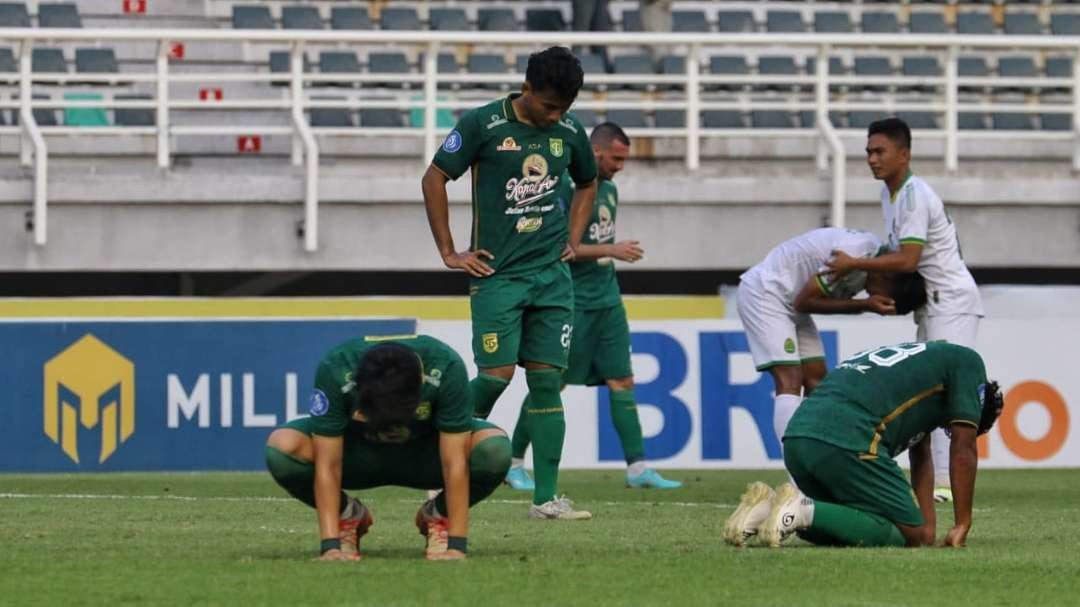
(523, 318)
(366, 464)
(600, 349)
(831, 474)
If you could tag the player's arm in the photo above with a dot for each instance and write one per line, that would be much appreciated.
(581, 208)
(437, 205)
(922, 483)
(625, 250)
(904, 260)
(963, 464)
(454, 454)
(814, 299)
(328, 456)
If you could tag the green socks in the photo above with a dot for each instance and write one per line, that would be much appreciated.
(519, 444)
(625, 417)
(485, 391)
(836, 525)
(295, 476)
(488, 463)
(546, 427)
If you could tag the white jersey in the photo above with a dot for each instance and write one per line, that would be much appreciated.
(788, 267)
(918, 216)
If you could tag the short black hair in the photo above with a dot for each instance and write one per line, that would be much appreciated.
(555, 69)
(388, 381)
(908, 291)
(606, 132)
(993, 403)
(895, 129)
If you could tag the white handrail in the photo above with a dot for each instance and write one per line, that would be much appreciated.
(310, 149)
(31, 131)
(831, 139)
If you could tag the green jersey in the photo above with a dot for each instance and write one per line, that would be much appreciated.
(595, 285)
(516, 170)
(885, 400)
(445, 404)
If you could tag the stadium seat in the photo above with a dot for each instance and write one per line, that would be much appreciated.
(629, 119)
(927, 23)
(919, 120)
(58, 14)
(832, 21)
(301, 18)
(42, 116)
(85, 116)
(592, 64)
(50, 60)
(784, 21)
(631, 21)
(809, 119)
(1017, 67)
(521, 63)
(280, 63)
(722, 119)
(134, 116)
(1058, 67)
(1065, 24)
(974, 67)
(378, 117)
(974, 23)
(248, 17)
(670, 119)
(921, 66)
(836, 68)
(399, 18)
(8, 64)
(496, 20)
(3, 118)
(872, 66)
(1023, 24)
(777, 66)
(338, 62)
(388, 63)
(633, 64)
(735, 21)
(96, 60)
(486, 63)
(14, 14)
(772, 119)
(1010, 121)
(448, 19)
(876, 22)
(689, 21)
(350, 18)
(1056, 122)
(971, 121)
(544, 20)
(587, 118)
(728, 65)
(671, 64)
(861, 119)
(331, 116)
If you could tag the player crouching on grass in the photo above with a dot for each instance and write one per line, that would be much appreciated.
(390, 411)
(840, 445)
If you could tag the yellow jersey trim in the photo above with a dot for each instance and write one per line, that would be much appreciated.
(897, 412)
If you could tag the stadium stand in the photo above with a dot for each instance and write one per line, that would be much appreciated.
(58, 15)
(350, 18)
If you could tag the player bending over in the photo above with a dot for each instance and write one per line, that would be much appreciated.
(390, 411)
(777, 296)
(840, 445)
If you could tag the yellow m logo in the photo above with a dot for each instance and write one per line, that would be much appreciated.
(88, 383)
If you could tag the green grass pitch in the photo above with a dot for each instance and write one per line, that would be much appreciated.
(232, 538)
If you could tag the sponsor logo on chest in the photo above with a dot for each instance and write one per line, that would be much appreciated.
(534, 184)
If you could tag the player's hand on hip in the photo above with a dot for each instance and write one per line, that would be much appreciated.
(568, 253)
(879, 304)
(957, 537)
(337, 555)
(628, 250)
(470, 261)
(840, 264)
(449, 555)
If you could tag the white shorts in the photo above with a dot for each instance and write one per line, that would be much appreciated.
(959, 329)
(777, 335)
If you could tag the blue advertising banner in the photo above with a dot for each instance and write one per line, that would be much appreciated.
(158, 395)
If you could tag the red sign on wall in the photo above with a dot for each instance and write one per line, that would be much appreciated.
(176, 51)
(135, 7)
(249, 144)
(213, 94)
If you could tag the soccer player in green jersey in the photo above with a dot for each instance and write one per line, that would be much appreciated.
(840, 444)
(390, 411)
(519, 149)
(600, 350)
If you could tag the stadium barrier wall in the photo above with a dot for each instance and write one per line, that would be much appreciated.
(198, 384)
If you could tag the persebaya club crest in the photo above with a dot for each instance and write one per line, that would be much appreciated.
(555, 146)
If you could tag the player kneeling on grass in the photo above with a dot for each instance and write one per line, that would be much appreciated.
(390, 411)
(839, 449)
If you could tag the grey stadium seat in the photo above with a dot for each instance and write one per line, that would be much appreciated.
(673, 64)
(48, 60)
(14, 14)
(399, 18)
(586, 117)
(633, 64)
(832, 21)
(971, 121)
(521, 63)
(58, 14)
(1017, 67)
(1009, 121)
(248, 17)
(927, 23)
(689, 21)
(388, 63)
(772, 119)
(485, 63)
(670, 119)
(280, 63)
(591, 64)
(301, 18)
(7, 64)
(381, 118)
(42, 116)
(777, 66)
(631, 21)
(735, 21)
(872, 66)
(1065, 24)
(728, 64)
(544, 20)
(496, 20)
(975, 67)
(350, 18)
(919, 120)
(630, 119)
(1056, 122)
(96, 60)
(722, 119)
(921, 66)
(134, 116)
(809, 119)
(861, 119)
(1059, 67)
(338, 62)
(331, 116)
(974, 23)
(876, 22)
(836, 68)
(1023, 24)
(784, 21)
(448, 19)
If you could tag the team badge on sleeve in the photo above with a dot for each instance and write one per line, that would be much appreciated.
(319, 403)
(453, 142)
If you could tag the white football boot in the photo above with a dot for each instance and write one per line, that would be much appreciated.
(560, 509)
(791, 511)
(754, 507)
